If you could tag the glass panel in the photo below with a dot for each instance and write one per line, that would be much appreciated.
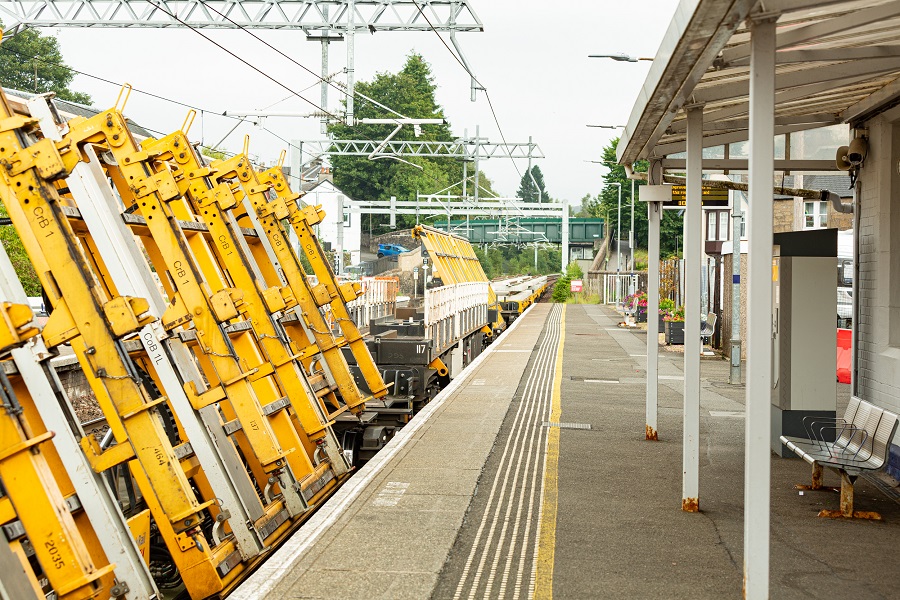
(724, 224)
(710, 225)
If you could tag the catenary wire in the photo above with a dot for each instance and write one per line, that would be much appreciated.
(472, 75)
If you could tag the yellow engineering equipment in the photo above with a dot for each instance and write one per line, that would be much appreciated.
(212, 363)
(454, 262)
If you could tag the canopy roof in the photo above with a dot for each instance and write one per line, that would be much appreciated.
(836, 62)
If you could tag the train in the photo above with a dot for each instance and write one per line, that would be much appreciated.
(238, 386)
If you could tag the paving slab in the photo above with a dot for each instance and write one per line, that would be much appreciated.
(388, 531)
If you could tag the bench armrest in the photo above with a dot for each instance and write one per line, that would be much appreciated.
(810, 422)
(854, 431)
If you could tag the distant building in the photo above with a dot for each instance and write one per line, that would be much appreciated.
(319, 189)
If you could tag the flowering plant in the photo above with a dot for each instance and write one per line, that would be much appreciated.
(676, 315)
(666, 305)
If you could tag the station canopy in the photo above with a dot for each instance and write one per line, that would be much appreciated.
(836, 62)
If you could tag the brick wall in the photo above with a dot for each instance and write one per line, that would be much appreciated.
(783, 215)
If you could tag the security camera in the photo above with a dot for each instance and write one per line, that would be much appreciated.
(856, 154)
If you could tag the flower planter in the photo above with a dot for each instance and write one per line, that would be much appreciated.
(675, 332)
(641, 315)
(662, 324)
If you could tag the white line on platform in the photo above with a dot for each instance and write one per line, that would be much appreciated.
(637, 355)
(601, 381)
(733, 414)
(528, 351)
(672, 377)
(268, 575)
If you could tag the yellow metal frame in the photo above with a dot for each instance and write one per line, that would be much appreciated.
(455, 262)
(212, 204)
(302, 222)
(95, 321)
(310, 298)
(36, 484)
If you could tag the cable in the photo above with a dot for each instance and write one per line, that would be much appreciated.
(6, 48)
(234, 55)
(475, 79)
(299, 64)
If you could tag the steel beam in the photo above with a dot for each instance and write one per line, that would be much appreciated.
(467, 149)
(742, 164)
(310, 16)
(759, 312)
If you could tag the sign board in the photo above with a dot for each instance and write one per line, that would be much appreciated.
(712, 198)
(575, 285)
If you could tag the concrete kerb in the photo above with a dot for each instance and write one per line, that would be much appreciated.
(267, 576)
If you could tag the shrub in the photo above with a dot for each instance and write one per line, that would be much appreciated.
(562, 290)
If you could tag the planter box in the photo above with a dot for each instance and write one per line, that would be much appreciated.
(675, 332)
(662, 325)
(641, 315)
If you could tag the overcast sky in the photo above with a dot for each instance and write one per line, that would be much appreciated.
(532, 57)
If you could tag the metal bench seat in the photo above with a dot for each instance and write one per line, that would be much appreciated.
(862, 443)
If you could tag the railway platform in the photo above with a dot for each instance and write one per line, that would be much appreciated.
(529, 476)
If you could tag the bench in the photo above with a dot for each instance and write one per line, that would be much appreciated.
(862, 441)
(708, 329)
(630, 312)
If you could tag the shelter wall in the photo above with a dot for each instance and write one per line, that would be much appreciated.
(878, 215)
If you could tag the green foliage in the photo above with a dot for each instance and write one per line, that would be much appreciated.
(666, 304)
(19, 258)
(411, 93)
(562, 291)
(213, 153)
(573, 271)
(509, 261)
(32, 62)
(527, 190)
(606, 205)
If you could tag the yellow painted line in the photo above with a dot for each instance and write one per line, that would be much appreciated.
(543, 580)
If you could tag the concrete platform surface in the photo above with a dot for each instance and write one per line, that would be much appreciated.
(530, 477)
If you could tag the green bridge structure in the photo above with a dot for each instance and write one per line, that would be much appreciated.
(583, 232)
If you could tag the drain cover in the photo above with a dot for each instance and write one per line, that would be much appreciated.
(567, 425)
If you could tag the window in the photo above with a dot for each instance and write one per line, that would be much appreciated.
(815, 214)
(711, 225)
(724, 225)
(743, 224)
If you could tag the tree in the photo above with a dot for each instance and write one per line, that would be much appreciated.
(18, 257)
(411, 93)
(32, 62)
(527, 190)
(606, 204)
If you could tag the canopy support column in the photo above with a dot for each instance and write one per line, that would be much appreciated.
(759, 311)
(693, 245)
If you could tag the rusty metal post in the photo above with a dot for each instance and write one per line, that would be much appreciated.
(816, 477)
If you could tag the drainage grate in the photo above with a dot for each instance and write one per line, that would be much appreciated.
(567, 425)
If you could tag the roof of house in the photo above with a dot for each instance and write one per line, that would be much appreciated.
(70, 109)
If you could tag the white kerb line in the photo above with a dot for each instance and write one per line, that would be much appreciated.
(258, 585)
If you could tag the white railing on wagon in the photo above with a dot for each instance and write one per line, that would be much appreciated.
(378, 299)
(454, 311)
